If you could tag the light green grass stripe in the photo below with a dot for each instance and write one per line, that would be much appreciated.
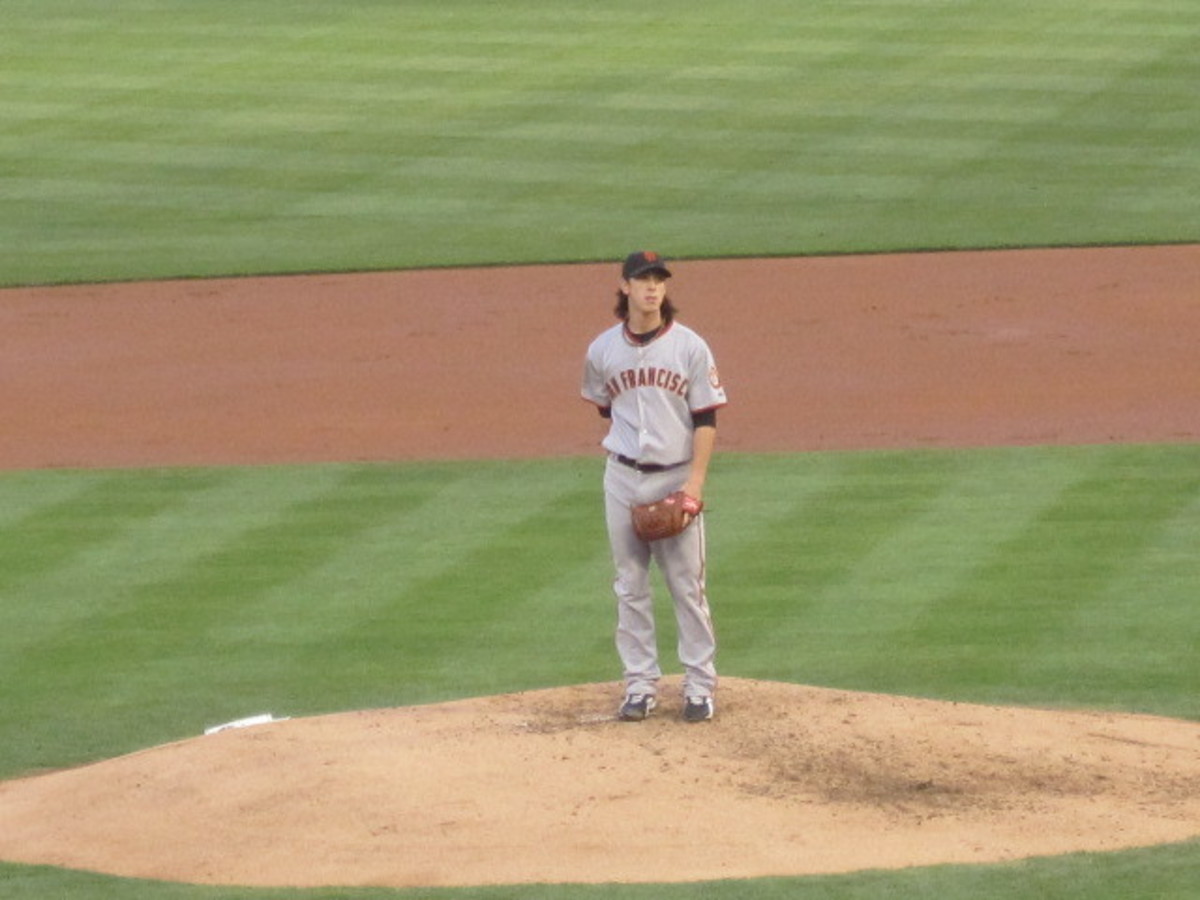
(534, 597)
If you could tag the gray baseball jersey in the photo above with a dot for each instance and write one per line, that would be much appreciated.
(652, 389)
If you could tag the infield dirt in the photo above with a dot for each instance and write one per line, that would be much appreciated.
(965, 349)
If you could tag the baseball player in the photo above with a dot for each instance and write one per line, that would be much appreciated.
(656, 382)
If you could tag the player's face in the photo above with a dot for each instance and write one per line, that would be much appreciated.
(646, 293)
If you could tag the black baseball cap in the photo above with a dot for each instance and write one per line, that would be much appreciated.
(642, 262)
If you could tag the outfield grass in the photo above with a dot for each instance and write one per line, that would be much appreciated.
(202, 137)
(141, 606)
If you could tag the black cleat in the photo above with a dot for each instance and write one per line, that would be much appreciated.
(636, 707)
(698, 709)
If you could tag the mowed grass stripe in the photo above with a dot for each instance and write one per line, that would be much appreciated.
(788, 535)
(522, 606)
(187, 585)
(29, 495)
(983, 501)
(834, 528)
(133, 532)
(342, 587)
(792, 553)
(1024, 607)
(79, 518)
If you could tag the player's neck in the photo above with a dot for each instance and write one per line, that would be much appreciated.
(643, 323)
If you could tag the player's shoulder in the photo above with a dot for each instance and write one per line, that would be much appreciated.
(681, 332)
(610, 335)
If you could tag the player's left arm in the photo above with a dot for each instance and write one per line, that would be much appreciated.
(704, 440)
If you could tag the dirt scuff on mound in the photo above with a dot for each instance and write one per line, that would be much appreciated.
(546, 786)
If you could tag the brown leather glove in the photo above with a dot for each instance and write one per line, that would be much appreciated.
(666, 517)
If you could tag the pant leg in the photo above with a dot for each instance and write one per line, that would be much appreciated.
(636, 639)
(682, 562)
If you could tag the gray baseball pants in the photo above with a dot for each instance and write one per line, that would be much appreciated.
(681, 560)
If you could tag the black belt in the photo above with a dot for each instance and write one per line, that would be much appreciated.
(644, 467)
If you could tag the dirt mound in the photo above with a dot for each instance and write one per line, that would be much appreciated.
(547, 786)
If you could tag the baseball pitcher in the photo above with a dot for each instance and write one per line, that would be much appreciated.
(656, 383)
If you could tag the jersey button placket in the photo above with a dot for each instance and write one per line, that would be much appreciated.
(643, 431)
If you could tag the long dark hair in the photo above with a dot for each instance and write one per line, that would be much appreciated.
(621, 310)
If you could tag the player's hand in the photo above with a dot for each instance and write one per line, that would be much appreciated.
(691, 506)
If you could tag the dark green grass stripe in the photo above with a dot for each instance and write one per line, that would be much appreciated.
(31, 493)
(1135, 638)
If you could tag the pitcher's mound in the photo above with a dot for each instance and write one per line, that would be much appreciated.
(546, 786)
